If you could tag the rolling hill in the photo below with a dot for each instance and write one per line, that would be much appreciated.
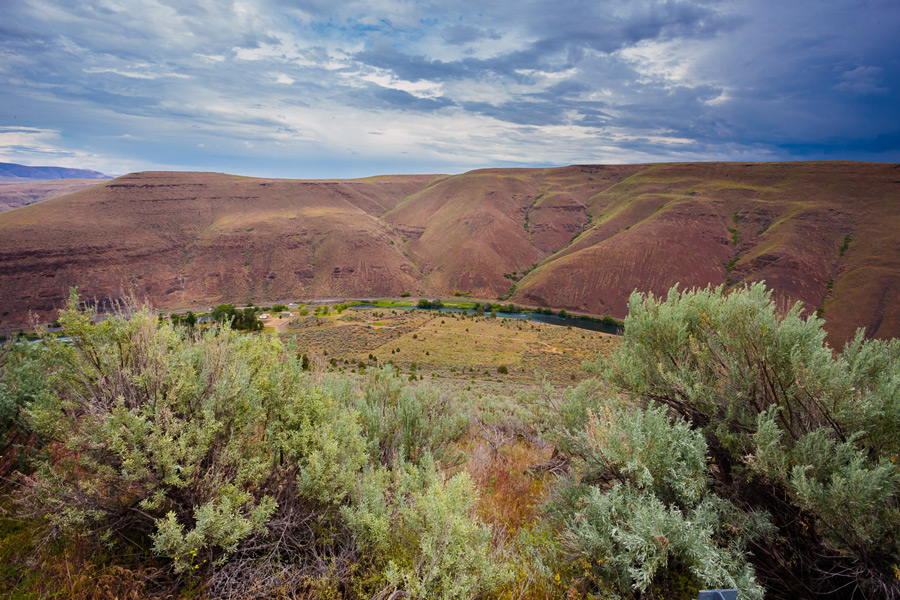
(14, 194)
(581, 237)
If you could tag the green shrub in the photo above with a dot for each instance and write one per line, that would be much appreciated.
(641, 516)
(24, 386)
(806, 437)
(422, 528)
(217, 458)
(406, 422)
(172, 438)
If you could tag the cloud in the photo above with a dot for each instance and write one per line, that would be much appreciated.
(311, 85)
(406, 101)
(459, 34)
(862, 80)
(44, 147)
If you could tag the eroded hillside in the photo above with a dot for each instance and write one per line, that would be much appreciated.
(582, 237)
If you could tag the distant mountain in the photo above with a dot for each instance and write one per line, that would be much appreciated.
(14, 172)
(22, 192)
(826, 234)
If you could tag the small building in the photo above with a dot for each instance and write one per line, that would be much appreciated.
(265, 316)
(287, 314)
(292, 306)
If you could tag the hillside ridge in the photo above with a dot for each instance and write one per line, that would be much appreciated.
(580, 237)
(17, 172)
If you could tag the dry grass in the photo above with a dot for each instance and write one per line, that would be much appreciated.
(453, 347)
(69, 568)
(510, 494)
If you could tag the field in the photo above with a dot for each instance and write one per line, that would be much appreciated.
(449, 345)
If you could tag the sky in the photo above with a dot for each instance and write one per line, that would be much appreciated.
(332, 89)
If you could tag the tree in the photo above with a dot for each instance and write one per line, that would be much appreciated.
(247, 320)
(244, 319)
(223, 313)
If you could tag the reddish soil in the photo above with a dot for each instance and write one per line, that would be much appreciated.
(585, 235)
(188, 239)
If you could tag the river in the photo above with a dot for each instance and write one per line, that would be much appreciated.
(580, 323)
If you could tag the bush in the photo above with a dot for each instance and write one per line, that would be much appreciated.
(796, 433)
(24, 387)
(641, 517)
(168, 438)
(406, 423)
(214, 457)
(421, 526)
(503, 370)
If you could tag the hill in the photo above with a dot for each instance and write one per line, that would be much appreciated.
(825, 234)
(466, 231)
(16, 172)
(581, 238)
(14, 194)
(188, 238)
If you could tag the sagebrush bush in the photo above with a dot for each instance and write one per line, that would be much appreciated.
(796, 432)
(23, 386)
(421, 525)
(404, 421)
(640, 513)
(215, 454)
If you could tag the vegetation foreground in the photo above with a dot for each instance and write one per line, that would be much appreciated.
(720, 445)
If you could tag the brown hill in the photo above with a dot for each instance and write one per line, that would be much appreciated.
(580, 237)
(826, 234)
(465, 232)
(16, 194)
(184, 239)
